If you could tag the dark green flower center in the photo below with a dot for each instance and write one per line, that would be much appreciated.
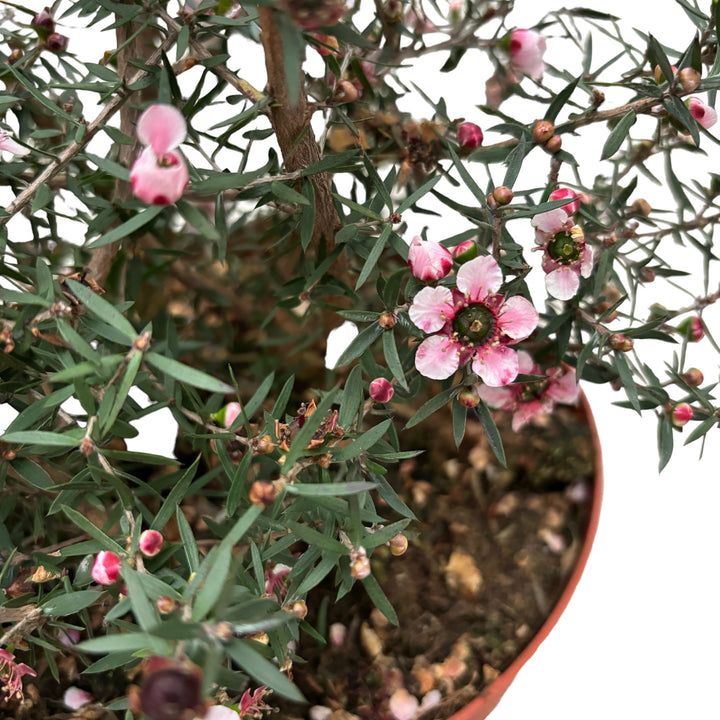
(474, 325)
(563, 249)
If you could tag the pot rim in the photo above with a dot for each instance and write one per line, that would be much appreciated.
(482, 705)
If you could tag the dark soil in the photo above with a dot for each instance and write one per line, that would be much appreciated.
(490, 556)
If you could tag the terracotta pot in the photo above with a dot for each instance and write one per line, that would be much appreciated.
(490, 696)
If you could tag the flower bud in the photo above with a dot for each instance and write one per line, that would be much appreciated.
(429, 260)
(682, 414)
(165, 605)
(262, 445)
(554, 144)
(262, 493)
(646, 274)
(345, 92)
(151, 542)
(692, 329)
(641, 207)
(693, 377)
(567, 194)
(43, 23)
(659, 75)
(387, 321)
(299, 609)
(74, 698)
(469, 136)
(688, 79)
(106, 568)
(226, 416)
(503, 195)
(543, 131)
(469, 397)
(620, 342)
(381, 390)
(393, 11)
(326, 40)
(360, 568)
(464, 251)
(55, 42)
(398, 545)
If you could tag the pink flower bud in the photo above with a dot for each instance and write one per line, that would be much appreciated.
(466, 250)
(106, 568)
(469, 136)
(151, 541)
(43, 21)
(429, 260)
(692, 329)
(74, 698)
(566, 194)
(232, 410)
(381, 390)
(55, 42)
(526, 51)
(682, 414)
(69, 637)
(703, 113)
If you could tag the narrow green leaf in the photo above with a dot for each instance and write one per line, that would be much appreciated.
(254, 403)
(657, 56)
(359, 344)
(374, 256)
(560, 100)
(432, 405)
(287, 194)
(187, 374)
(317, 539)
(129, 642)
(146, 613)
(617, 135)
(351, 399)
(32, 473)
(95, 532)
(262, 670)
(679, 112)
(197, 219)
(378, 184)
(361, 443)
(215, 579)
(188, 540)
(626, 377)
(491, 431)
(393, 359)
(379, 599)
(42, 437)
(171, 503)
(665, 440)
(467, 178)
(127, 228)
(123, 389)
(515, 160)
(102, 309)
(330, 489)
(238, 482)
(70, 603)
(459, 419)
(425, 188)
(701, 429)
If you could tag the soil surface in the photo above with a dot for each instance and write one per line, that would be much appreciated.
(488, 559)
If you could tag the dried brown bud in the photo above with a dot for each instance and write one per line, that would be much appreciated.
(646, 274)
(262, 445)
(554, 144)
(360, 569)
(9, 454)
(15, 55)
(503, 195)
(387, 321)
(693, 377)
(620, 342)
(641, 207)
(345, 92)
(688, 79)
(165, 604)
(262, 493)
(543, 131)
(299, 609)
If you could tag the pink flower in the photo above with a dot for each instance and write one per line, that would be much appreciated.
(429, 260)
(74, 698)
(8, 143)
(525, 399)
(381, 390)
(566, 194)
(703, 113)
(151, 541)
(253, 705)
(682, 414)
(469, 135)
(220, 712)
(69, 637)
(566, 255)
(11, 674)
(472, 324)
(106, 568)
(526, 51)
(159, 175)
(275, 579)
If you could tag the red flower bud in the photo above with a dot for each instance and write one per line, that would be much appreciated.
(151, 542)
(682, 414)
(469, 136)
(381, 390)
(106, 568)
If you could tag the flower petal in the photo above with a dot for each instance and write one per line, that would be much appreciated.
(431, 308)
(429, 260)
(551, 222)
(563, 388)
(517, 318)
(586, 261)
(500, 398)
(8, 143)
(496, 365)
(562, 283)
(479, 277)
(156, 183)
(437, 357)
(524, 412)
(162, 127)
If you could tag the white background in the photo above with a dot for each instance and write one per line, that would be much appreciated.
(640, 637)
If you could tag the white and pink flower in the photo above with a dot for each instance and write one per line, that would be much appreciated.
(526, 399)
(527, 48)
(151, 542)
(159, 175)
(106, 568)
(472, 323)
(11, 674)
(9, 144)
(704, 114)
(429, 260)
(74, 698)
(566, 255)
